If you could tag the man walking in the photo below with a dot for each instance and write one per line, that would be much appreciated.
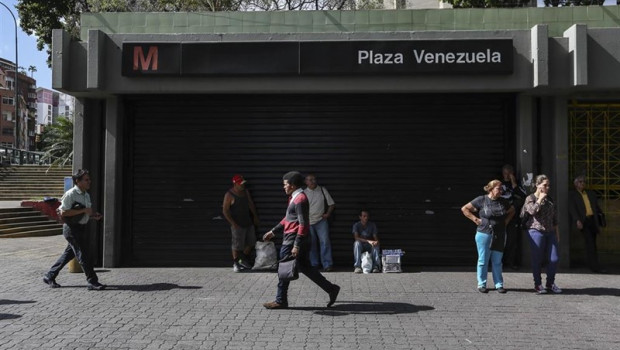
(321, 207)
(583, 207)
(236, 208)
(76, 210)
(295, 227)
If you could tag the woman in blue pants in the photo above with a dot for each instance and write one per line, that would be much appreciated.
(542, 226)
(494, 213)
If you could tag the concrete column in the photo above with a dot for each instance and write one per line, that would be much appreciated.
(113, 198)
(78, 135)
(578, 48)
(86, 155)
(526, 148)
(526, 137)
(561, 175)
(553, 162)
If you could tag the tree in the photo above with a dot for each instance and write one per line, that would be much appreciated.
(39, 17)
(558, 3)
(487, 3)
(32, 69)
(289, 5)
(57, 142)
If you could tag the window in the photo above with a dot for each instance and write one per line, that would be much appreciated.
(7, 100)
(7, 131)
(7, 116)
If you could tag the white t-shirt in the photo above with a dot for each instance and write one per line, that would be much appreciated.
(317, 205)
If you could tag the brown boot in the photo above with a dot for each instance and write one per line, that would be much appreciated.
(275, 305)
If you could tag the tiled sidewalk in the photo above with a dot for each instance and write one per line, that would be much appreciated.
(214, 308)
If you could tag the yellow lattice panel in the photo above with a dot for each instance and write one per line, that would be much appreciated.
(594, 136)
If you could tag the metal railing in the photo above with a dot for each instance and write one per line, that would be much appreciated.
(14, 156)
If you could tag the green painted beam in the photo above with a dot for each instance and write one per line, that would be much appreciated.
(558, 19)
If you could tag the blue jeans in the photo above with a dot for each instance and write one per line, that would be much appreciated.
(303, 263)
(544, 249)
(321, 247)
(361, 247)
(485, 254)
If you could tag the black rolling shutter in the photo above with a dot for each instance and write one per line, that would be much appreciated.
(413, 160)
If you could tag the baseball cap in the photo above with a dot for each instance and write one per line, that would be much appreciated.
(238, 180)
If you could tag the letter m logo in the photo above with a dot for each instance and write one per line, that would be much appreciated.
(142, 63)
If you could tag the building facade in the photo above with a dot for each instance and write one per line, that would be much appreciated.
(17, 131)
(406, 112)
(46, 106)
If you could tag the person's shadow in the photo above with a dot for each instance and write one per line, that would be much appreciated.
(9, 302)
(9, 317)
(595, 291)
(343, 308)
(155, 287)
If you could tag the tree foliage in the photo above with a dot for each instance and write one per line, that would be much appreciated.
(39, 17)
(558, 3)
(487, 3)
(290, 5)
(57, 142)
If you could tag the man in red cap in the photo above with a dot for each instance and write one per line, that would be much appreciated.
(237, 207)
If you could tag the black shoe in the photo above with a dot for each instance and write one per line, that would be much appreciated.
(483, 289)
(501, 290)
(333, 295)
(244, 263)
(51, 282)
(96, 286)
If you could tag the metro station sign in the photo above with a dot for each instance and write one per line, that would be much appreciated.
(328, 58)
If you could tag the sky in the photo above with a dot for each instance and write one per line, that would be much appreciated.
(27, 45)
(29, 55)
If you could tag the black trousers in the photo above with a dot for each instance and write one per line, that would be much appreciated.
(589, 235)
(76, 236)
(512, 250)
(305, 267)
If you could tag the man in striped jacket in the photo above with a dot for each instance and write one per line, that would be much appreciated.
(295, 226)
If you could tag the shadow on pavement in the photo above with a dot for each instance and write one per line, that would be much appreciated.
(8, 317)
(343, 308)
(593, 291)
(570, 291)
(151, 287)
(8, 302)
(155, 287)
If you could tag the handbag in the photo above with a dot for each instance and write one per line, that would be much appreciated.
(600, 218)
(287, 268)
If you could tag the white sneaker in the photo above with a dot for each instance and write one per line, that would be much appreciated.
(540, 290)
(555, 289)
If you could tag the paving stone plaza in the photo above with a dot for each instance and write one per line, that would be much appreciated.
(214, 308)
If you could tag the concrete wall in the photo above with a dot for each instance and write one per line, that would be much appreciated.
(555, 60)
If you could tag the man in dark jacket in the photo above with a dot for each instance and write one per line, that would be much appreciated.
(583, 207)
(295, 226)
